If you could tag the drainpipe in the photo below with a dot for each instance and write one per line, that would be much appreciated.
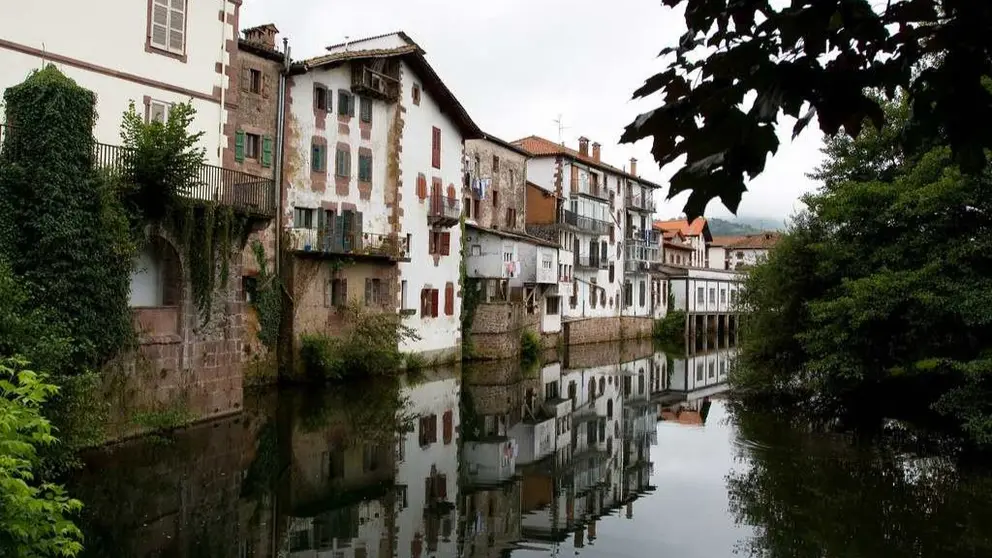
(280, 140)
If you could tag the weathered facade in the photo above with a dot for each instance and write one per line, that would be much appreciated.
(374, 151)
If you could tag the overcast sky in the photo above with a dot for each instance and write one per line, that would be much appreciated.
(517, 64)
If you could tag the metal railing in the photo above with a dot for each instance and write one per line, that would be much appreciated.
(591, 262)
(589, 188)
(442, 208)
(640, 201)
(252, 194)
(363, 244)
(583, 223)
(647, 237)
(642, 252)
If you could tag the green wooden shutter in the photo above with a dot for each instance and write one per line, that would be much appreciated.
(267, 151)
(321, 227)
(357, 227)
(239, 146)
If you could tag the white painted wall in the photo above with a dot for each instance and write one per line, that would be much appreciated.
(490, 462)
(716, 286)
(485, 256)
(113, 36)
(717, 257)
(146, 280)
(747, 257)
(541, 171)
(444, 332)
(532, 260)
(299, 191)
(435, 396)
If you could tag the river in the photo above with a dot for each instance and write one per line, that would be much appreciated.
(610, 450)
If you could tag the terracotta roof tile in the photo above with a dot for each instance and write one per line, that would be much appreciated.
(760, 241)
(541, 147)
(697, 227)
(726, 240)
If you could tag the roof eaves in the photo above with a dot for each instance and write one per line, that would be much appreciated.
(507, 145)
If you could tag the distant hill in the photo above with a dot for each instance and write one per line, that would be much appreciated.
(742, 225)
(720, 227)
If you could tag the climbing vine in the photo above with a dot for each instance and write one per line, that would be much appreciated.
(267, 299)
(471, 295)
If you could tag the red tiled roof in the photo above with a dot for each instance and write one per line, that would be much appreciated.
(726, 240)
(677, 246)
(688, 229)
(761, 241)
(540, 147)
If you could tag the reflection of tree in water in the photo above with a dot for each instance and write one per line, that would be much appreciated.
(373, 411)
(817, 494)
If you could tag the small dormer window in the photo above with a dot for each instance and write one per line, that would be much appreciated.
(416, 94)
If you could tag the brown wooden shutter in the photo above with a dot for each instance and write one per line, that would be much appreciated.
(436, 148)
(575, 178)
(424, 301)
(449, 427)
(445, 243)
(434, 297)
(449, 299)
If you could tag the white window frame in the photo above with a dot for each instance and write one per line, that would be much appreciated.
(154, 105)
(168, 17)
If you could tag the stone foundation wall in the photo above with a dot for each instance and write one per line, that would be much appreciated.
(599, 330)
(188, 367)
(636, 327)
(497, 327)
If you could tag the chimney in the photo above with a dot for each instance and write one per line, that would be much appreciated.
(263, 36)
(584, 146)
(633, 166)
(595, 151)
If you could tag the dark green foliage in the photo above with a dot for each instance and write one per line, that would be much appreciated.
(804, 492)
(62, 228)
(806, 59)
(671, 328)
(530, 346)
(267, 299)
(29, 330)
(161, 161)
(34, 516)
(880, 288)
(369, 348)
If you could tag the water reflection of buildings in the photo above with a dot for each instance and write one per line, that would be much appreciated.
(692, 381)
(472, 464)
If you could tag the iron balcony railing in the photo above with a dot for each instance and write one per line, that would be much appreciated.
(647, 237)
(640, 201)
(252, 194)
(591, 262)
(357, 244)
(583, 223)
(443, 208)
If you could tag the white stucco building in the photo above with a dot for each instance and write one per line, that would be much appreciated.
(696, 235)
(373, 174)
(576, 199)
(153, 54)
(706, 291)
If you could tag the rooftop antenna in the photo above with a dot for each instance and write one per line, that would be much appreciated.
(561, 129)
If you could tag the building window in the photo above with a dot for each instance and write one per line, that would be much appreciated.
(318, 158)
(551, 305)
(495, 164)
(373, 292)
(303, 218)
(429, 302)
(712, 295)
(320, 97)
(511, 217)
(346, 103)
(439, 243)
(495, 198)
(701, 296)
(403, 294)
(467, 207)
(168, 25)
(723, 296)
(365, 168)
(342, 162)
(416, 95)
(733, 296)
(252, 80)
(641, 292)
(436, 147)
(158, 111)
(628, 294)
(612, 273)
(428, 430)
(338, 293)
(510, 177)
(253, 145)
(365, 109)
(449, 299)
(551, 390)
(740, 255)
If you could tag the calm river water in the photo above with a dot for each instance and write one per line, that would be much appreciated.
(608, 451)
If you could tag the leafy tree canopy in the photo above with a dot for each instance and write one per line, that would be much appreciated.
(828, 58)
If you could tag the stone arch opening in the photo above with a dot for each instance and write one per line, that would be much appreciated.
(157, 288)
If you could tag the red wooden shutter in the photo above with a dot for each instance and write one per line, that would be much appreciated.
(436, 148)
(445, 243)
(449, 299)
(424, 302)
(449, 427)
(434, 293)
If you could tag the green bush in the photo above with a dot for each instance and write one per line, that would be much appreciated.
(267, 299)
(530, 345)
(671, 328)
(34, 516)
(369, 347)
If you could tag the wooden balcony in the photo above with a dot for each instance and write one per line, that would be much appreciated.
(319, 242)
(443, 211)
(378, 78)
